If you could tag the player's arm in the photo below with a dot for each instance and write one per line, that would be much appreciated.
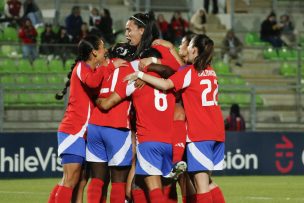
(172, 50)
(163, 71)
(109, 102)
(93, 79)
(159, 83)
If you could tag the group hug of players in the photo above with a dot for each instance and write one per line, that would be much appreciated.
(174, 106)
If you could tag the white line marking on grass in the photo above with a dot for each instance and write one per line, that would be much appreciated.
(271, 198)
(259, 198)
(23, 193)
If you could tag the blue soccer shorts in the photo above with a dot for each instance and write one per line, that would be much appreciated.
(71, 144)
(153, 158)
(71, 158)
(205, 156)
(111, 145)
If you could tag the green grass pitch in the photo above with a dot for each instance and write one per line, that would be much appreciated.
(237, 189)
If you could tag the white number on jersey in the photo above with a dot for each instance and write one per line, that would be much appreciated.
(208, 90)
(160, 100)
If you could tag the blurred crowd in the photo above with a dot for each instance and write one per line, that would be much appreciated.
(27, 18)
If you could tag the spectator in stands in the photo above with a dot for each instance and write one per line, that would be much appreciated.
(106, 26)
(288, 34)
(198, 22)
(235, 121)
(179, 27)
(232, 48)
(28, 36)
(214, 6)
(95, 21)
(33, 12)
(48, 38)
(63, 38)
(270, 31)
(163, 26)
(13, 11)
(73, 22)
(84, 31)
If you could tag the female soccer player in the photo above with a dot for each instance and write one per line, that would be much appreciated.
(205, 126)
(141, 32)
(85, 76)
(154, 124)
(109, 143)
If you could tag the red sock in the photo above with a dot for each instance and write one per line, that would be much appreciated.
(94, 191)
(157, 196)
(170, 194)
(179, 140)
(139, 196)
(64, 194)
(118, 193)
(53, 194)
(217, 195)
(204, 198)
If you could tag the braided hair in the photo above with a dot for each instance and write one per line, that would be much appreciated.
(85, 47)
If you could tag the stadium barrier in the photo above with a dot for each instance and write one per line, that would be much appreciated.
(33, 155)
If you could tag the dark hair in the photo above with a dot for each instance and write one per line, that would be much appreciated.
(75, 8)
(144, 20)
(106, 12)
(188, 37)
(151, 52)
(205, 51)
(235, 110)
(85, 47)
(122, 50)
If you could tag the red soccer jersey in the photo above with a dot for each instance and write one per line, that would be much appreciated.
(118, 116)
(83, 87)
(167, 58)
(154, 112)
(200, 98)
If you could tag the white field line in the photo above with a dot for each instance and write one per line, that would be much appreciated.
(271, 198)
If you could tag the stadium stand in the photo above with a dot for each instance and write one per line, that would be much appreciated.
(266, 80)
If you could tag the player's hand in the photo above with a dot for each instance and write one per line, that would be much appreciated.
(120, 63)
(139, 83)
(144, 63)
(131, 77)
(163, 43)
(98, 101)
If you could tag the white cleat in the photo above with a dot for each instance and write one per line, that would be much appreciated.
(178, 169)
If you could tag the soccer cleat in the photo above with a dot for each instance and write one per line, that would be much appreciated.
(178, 169)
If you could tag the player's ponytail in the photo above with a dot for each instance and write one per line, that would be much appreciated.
(205, 48)
(85, 47)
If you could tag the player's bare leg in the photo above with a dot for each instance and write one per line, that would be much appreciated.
(99, 173)
(187, 188)
(77, 196)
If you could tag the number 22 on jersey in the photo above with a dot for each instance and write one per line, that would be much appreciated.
(207, 91)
